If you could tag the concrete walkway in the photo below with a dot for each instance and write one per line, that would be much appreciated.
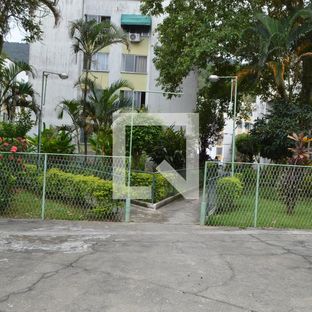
(180, 211)
(81, 267)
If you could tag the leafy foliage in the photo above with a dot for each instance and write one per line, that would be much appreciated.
(15, 93)
(247, 146)
(89, 37)
(170, 146)
(26, 14)
(55, 141)
(19, 128)
(266, 43)
(143, 141)
(271, 132)
(229, 190)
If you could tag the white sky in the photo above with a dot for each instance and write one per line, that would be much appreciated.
(15, 35)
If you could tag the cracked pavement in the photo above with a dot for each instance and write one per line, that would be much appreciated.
(72, 267)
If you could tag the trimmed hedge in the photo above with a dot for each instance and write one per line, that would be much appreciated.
(28, 178)
(84, 190)
(229, 191)
(162, 188)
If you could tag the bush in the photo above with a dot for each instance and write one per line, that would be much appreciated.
(7, 184)
(307, 186)
(28, 178)
(54, 141)
(212, 169)
(229, 191)
(87, 192)
(162, 188)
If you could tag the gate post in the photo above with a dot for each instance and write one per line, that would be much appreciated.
(203, 206)
(257, 196)
(44, 186)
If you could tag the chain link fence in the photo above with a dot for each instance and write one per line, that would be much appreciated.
(257, 195)
(59, 187)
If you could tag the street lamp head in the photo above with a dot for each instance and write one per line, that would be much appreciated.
(63, 76)
(214, 78)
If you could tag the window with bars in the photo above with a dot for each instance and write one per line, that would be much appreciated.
(99, 62)
(139, 98)
(134, 63)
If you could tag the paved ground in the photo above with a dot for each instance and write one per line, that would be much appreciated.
(73, 267)
(180, 211)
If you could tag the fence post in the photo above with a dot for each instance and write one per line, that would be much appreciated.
(257, 196)
(203, 206)
(153, 188)
(44, 186)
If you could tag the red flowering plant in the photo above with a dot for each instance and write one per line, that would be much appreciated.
(10, 164)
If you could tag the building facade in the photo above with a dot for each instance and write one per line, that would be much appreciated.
(54, 53)
(223, 149)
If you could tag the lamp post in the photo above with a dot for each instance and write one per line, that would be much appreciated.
(234, 82)
(128, 200)
(45, 75)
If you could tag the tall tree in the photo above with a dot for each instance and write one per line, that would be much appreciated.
(281, 50)
(89, 38)
(14, 93)
(207, 35)
(104, 102)
(26, 14)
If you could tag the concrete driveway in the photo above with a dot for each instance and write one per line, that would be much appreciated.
(72, 267)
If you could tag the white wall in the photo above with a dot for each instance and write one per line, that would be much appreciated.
(54, 53)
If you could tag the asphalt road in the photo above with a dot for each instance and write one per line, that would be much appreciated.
(73, 267)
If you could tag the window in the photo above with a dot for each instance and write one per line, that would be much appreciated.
(219, 151)
(98, 18)
(134, 63)
(248, 125)
(99, 62)
(139, 98)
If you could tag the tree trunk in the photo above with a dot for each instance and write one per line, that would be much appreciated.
(1, 43)
(307, 81)
(84, 111)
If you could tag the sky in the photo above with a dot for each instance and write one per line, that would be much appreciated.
(15, 35)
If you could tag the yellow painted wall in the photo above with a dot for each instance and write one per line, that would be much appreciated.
(140, 48)
(137, 81)
(101, 79)
(106, 50)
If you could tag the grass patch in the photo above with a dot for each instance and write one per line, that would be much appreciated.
(25, 205)
(271, 213)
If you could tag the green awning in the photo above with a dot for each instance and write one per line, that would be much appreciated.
(135, 20)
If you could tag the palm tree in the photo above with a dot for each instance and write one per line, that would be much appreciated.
(15, 93)
(73, 108)
(281, 47)
(102, 104)
(89, 38)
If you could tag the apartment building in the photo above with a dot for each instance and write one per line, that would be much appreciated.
(223, 149)
(54, 53)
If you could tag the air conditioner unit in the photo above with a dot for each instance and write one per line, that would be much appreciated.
(134, 37)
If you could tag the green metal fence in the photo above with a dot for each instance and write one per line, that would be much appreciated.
(258, 195)
(60, 187)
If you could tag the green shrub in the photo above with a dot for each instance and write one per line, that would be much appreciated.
(27, 179)
(212, 169)
(306, 188)
(162, 188)
(79, 188)
(7, 184)
(229, 191)
(91, 194)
